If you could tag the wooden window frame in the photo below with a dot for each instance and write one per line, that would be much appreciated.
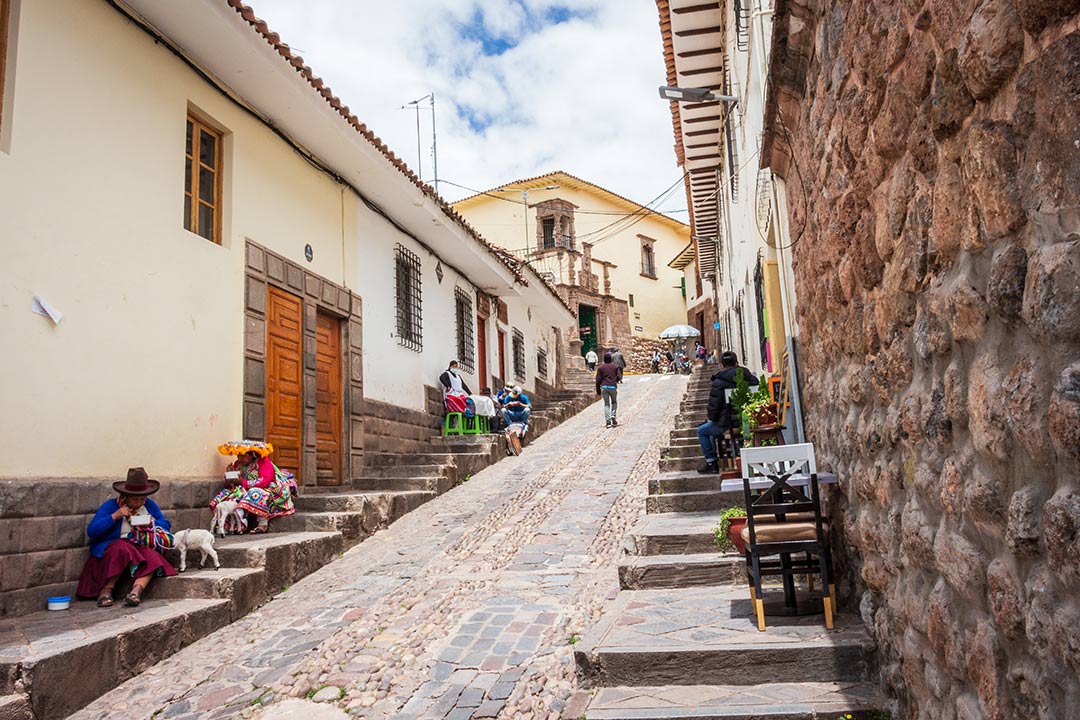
(191, 222)
(648, 258)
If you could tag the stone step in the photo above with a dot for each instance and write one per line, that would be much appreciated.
(672, 464)
(682, 450)
(709, 636)
(678, 533)
(244, 587)
(682, 481)
(407, 471)
(641, 572)
(689, 502)
(435, 483)
(86, 651)
(355, 501)
(774, 701)
(285, 556)
(383, 459)
(378, 511)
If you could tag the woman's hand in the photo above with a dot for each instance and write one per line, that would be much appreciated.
(123, 512)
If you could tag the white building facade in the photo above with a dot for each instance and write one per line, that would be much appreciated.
(230, 250)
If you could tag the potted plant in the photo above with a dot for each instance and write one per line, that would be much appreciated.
(728, 532)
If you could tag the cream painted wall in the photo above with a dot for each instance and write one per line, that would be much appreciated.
(659, 301)
(146, 366)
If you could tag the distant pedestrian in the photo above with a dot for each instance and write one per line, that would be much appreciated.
(656, 361)
(618, 359)
(670, 361)
(608, 377)
(590, 360)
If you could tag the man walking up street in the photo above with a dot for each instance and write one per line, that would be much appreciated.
(607, 382)
(719, 412)
(619, 360)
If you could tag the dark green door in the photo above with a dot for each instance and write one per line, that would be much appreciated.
(587, 328)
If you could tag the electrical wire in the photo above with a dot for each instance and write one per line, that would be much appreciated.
(577, 211)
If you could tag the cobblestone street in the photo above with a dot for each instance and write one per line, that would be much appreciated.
(467, 607)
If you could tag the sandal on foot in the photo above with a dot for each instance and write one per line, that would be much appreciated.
(260, 529)
(105, 601)
(133, 599)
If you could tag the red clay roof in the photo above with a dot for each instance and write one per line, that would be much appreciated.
(274, 40)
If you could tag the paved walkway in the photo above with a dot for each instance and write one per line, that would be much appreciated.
(467, 607)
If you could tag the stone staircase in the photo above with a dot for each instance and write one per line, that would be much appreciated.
(681, 640)
(53, 663)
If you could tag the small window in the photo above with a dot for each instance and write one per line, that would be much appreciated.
(631, 300)
(202, 180)
(463, 314)
(519, 355)
(648, 260)
(541, 362)
(409, 301)
(549, 233)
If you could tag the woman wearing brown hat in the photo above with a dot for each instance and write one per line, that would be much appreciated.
(112, 550)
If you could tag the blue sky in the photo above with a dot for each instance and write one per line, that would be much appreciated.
(523, 87)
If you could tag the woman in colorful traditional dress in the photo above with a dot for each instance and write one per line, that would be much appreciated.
(126, 535)
(263, 490)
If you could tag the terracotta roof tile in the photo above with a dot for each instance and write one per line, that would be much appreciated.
(296, 61)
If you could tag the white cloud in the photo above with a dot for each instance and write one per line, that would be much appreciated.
(579, 95)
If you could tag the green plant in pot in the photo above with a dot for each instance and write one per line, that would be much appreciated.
(728, 532)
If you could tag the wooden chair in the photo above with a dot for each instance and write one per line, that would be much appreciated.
(783, 521)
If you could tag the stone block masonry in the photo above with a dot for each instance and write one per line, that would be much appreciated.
(932, 165)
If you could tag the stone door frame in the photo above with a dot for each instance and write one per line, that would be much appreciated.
(263, 268)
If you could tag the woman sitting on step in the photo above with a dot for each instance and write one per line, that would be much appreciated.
(256, 484)
(127, 535)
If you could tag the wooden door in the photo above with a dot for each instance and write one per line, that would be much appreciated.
(328, 405)
(284, 378)
(481, 349)
(502, 357)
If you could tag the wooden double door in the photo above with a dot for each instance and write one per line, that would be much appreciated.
(285, 388)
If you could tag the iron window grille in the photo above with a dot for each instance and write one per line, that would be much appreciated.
(729, 132)
(463, 314)
(541, 362)
(409, 299)
(742, 24)
(519, 355)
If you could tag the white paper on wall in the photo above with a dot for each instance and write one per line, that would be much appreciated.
(43, 308)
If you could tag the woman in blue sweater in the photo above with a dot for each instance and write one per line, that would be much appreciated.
(112, 550)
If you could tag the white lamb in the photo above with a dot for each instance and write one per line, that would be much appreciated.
(195, 539)
(222, 512)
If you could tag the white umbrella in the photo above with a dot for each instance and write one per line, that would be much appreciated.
(679, 332)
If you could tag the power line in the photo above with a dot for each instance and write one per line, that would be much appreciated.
(577, 211)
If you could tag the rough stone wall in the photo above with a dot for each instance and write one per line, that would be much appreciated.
(935, 209)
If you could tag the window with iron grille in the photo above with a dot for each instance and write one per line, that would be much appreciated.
(409, 301)
(541, 362)
(519, 355)
(463, 314)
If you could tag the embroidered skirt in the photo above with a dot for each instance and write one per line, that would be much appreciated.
(121, 556)
(274, 500)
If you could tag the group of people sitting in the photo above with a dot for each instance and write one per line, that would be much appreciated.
(508, 410)
(129, 533)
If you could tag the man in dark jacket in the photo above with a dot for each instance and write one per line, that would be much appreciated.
(719, 412)
(607, 387)
(619, 360)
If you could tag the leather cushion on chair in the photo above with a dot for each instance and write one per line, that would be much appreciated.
(790, 517)
(783, 532)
